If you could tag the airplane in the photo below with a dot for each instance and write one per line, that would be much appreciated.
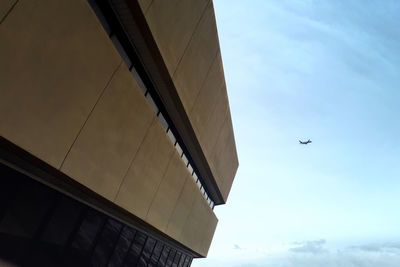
(305, 143)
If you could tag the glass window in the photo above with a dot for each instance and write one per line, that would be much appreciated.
(170, 257)
(152, 103)
(138, 80)
(100, 16)
(176, 259)
(121, 51)
(185, 160)
(67, 232)
(171, 136)
(182, 261)
(147, 250)
(106, 242)
(202, 190)
(179, 149)
(88, 230)
(136, 249)
(62, 221)
(11, 181)
(187, 261)
(26, 212)
(164, 123)
(156, 254)
(164, 256)
(122, 247)
(190, 168)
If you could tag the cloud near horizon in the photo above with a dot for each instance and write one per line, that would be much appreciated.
(314, 254)
(314, 247)
(393, 247)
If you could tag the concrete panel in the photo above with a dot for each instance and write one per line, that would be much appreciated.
(197, 59)
(5, 6)
(106, 146)
(146, 172)
(196, 225)
(212, 225)
(230, 175)
(208, 137)
(168, 193)
(144, 5)
(182, 208)
(206, 101)
(172, 24)
(224, 157)
(52, 71)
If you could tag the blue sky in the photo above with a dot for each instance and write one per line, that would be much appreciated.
(328, 71)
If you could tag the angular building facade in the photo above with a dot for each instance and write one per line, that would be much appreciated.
(116, 136)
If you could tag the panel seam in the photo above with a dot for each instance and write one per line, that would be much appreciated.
(159, 184)
(133, 159)
(90, 113)
(216, 140)
(190, 40)
(148, 7)
(186, 220)
(176, 204)
(203, 82)
(8, 12)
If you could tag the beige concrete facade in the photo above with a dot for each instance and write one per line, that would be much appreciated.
(68, 99)
(195, 65)
(51, 74)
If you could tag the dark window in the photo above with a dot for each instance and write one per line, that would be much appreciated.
(62, 222)
(122, 247)
(176, 259)
(106, 243)
(100, 16)
(42, 227)
(138, 80)
(164, 123)
(182, 260)
(170, 258)
(164, 256)
(13, 180)
(148, 248)
(121, 50)
(84, 239)
(152, 103)
(136, 249)
(25, 213)
(156, 254)
(188, 260)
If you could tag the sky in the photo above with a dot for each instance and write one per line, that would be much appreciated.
(326, 71)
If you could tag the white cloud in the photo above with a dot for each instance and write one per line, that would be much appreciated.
(393, 247)
(313, 247)
(315, 254)
(236, 246)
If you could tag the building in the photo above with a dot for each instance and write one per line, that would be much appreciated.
(116, 135)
